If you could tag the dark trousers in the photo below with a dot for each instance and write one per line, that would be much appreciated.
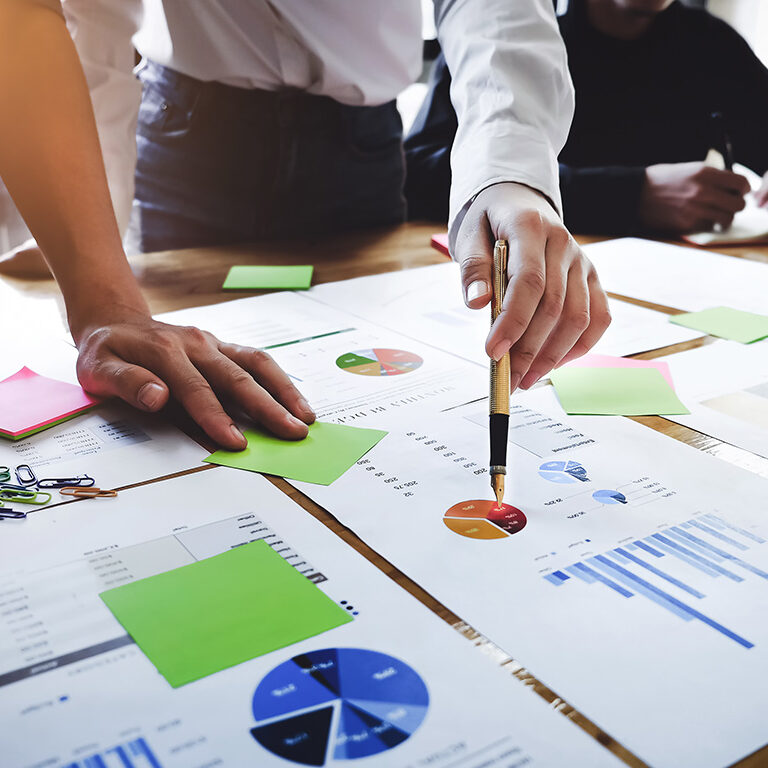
(218, 164)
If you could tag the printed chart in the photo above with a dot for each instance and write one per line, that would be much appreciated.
(338, 703)
(563, 472)
(134, 754)
(704, 546)
(484, 520)
(379, 362)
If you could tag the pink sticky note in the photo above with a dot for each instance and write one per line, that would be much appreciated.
(608, 361)
(440, 243)
(29, 402)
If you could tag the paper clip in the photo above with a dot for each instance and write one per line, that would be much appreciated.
(87, 493)
(81, 481)
(23, 496)
(25, 475)
(12, 514)
(5, 474)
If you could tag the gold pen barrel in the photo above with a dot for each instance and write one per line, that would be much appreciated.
(499, 401)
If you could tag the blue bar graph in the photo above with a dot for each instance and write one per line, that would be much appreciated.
(135, 754)
(701, 544)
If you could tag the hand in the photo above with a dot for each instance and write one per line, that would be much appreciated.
(761, 196)
(26, 261)
(690, 197)
(554, 309)
(143, 362)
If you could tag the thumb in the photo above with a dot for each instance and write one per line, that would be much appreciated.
(113, 377)
(474, 249)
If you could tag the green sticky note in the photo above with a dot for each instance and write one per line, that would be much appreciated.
(615, 391)
(210, 615)
(323, 456)
(727, 323)
(256, 278)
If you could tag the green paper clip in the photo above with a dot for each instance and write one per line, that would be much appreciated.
(5, 474)
(24, 496)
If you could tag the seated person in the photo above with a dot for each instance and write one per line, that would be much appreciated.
(648, 76)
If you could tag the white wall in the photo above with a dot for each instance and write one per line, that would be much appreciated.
(749, 18)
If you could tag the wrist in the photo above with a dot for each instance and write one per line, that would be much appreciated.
(86, 314)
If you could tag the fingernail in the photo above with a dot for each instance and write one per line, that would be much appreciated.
(151, 395)
(477, 289)
(238, 435)
(306, 407)
(500, 350)
(294, 422)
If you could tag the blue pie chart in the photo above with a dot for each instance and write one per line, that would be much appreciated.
(563, 472)
(609, 497)
(338, 704)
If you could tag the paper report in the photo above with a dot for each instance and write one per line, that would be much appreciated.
(622, 565)
(390, 687)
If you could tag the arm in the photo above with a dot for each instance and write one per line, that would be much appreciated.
(50, 161)
(514, 100)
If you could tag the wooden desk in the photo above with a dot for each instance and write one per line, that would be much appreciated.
(180, 279)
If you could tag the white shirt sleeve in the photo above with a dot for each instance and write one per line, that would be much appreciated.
(102, 31)
(512, 93)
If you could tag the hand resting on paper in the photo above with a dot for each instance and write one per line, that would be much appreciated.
(554, 309)
(681, 198)
(144, 362)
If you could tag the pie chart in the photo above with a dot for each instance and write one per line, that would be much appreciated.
(609, 497)
(379, 362)
(563, 472)
(484, 520)
(338, 704)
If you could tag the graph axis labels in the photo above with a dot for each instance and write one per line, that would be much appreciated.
(484, 520)
(338, 704)
(379, 361)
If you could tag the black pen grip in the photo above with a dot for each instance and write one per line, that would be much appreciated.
(499, 429)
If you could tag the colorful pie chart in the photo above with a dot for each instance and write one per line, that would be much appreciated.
(484, 520)
(338, 704)
(563, 472)
(379, 362)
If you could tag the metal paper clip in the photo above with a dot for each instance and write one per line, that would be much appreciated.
(87, 493)
(24, 496)
(12, 514)
(5, 474)
(81, 481)
(25, 475)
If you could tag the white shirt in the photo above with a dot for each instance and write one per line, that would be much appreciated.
(511, 87)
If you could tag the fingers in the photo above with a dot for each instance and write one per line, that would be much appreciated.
(271, 377)
(726, 180)
(549, 311)
(527, 283)
(230, 379)
(599, 319)
(109, 376)
(726, 202)
(474, 250)
(573, 322)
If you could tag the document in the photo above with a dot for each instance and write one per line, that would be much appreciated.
(346, 367)
(114, 444)
(725, 386)
(391, 686)
(622, 563)
(426, 304)
(682, 278)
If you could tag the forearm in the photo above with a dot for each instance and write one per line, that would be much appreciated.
(51, 162)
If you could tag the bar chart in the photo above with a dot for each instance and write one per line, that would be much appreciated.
(134, 754)
(672, 567)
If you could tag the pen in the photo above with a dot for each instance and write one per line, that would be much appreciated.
(723, 139)
(499, 399)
